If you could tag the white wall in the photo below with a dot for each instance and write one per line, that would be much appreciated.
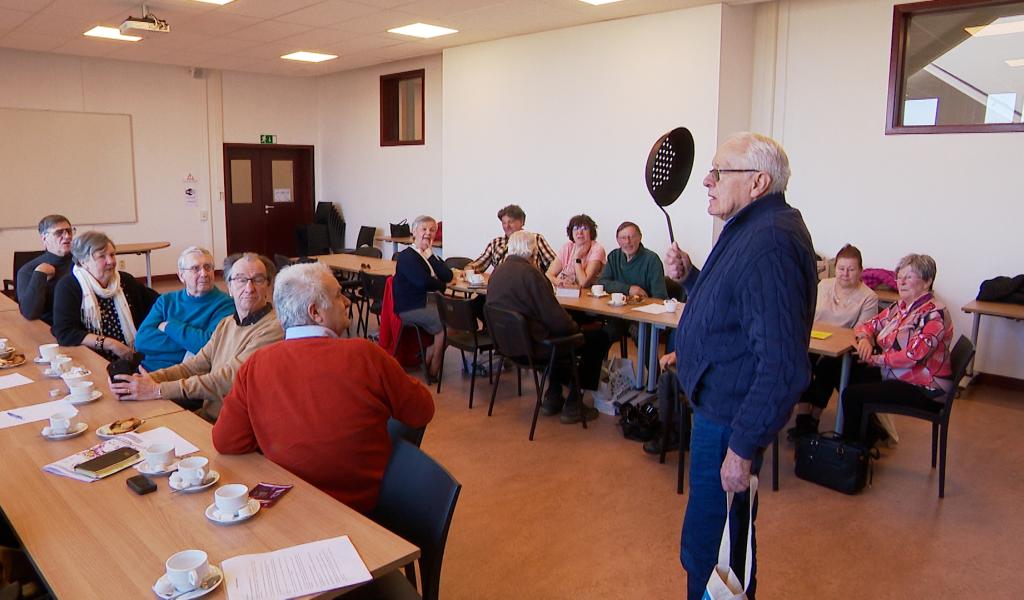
(374, 184)
(953, 196)
(561, 122)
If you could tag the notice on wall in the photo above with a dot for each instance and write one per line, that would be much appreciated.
(191, 189)
(282, 195)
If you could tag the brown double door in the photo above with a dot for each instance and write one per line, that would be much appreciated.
(268, 193)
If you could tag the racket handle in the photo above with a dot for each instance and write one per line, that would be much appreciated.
(671, 234)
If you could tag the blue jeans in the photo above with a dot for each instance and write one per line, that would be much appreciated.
(705, 510)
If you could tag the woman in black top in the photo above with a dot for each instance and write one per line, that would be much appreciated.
(96, 305)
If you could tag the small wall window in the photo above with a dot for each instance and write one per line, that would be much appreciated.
(401, 108)
(956, 66)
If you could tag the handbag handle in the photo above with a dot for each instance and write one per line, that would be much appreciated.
(725, 549)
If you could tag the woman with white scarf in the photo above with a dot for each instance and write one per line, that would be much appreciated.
(96, 305)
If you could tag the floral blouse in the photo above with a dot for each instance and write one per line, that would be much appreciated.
(915, 341)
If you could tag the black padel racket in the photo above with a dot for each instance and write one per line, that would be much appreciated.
(668, 169)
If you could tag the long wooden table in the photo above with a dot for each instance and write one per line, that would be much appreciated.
(146, 248)
(405, 241)
(7, 304)
(353, 263)
(977, 308)
(99, 540)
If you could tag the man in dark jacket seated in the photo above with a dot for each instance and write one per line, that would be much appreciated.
(519, 286)
(38, 277)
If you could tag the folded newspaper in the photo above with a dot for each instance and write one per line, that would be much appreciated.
(65, 467)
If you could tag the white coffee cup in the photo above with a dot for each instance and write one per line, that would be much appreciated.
(475, 278)
(618, 298)
(81, 391)
(597, 290)
(159, 456)
(60, 422)
(232, 500)
(60, 363)
(468, 272)
(671, 304)
(192, 471)
(48, 351)
(187, 569)
(3, 344)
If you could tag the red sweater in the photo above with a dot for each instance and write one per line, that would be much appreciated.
(319, 407)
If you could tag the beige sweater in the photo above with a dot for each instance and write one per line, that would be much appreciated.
(209, 374)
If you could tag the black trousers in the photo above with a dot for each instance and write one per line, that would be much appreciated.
(592, 353)
(892, 392)
(825, 375)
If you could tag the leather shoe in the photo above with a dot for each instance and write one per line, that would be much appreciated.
(575, 411)
(552, 402)
(653, 445)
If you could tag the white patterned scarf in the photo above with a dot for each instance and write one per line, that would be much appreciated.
(91, 307)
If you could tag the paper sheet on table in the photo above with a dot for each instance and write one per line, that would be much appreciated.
(820, 335)
(34, 412)
(182, 447)
(13, 380)
(297, 571)
(654, 309)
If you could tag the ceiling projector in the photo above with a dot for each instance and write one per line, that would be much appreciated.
(143, 25)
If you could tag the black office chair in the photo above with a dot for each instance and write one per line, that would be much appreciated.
(368, 251)
(20, 258)
(417, 501)
(963, 352)
(327, 214)
(311, 240)
(281, 261)
(511, 335)
(457, 262)
(370, 299)
(461, 330)
(363, 238)
(398, 430)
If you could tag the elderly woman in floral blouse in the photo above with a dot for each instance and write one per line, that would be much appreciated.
(910, 342)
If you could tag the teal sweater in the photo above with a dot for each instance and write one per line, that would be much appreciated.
(645, 270)
(190, 323)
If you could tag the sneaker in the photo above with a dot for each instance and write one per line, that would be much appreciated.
(552, 402)
(574, 412)
(653, 445)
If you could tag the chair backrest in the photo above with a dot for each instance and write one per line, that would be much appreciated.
(457, 313)
(282, 261)
(373, 285)
(398, 430)
(509, 330)
(959, 359)
(23, 256)
(417, 501)
(327, 214)
(457, 262)
(368, 251)
(311, 240)
(365, 237)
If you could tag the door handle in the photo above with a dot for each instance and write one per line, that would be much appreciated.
(266, 209)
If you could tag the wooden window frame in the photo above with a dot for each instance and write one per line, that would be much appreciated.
(900, 17)
(389, 108)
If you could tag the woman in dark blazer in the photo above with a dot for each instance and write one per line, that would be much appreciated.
(418, 273)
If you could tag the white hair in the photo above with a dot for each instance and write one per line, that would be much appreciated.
(297, 288)
(522, 243)
(193, 250)
(765, 154)
(420, 220)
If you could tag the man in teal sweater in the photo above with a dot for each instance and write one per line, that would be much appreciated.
(632, 269)
(182, 322)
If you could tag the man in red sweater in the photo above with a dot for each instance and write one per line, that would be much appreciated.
(318, 405)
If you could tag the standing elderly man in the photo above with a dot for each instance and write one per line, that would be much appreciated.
(38, 277)
(741, 344)
(513, 219)
(206, 377)
(181, 323)
(338, 394)
(632, 269)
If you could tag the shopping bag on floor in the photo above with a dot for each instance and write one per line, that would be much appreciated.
(616, 385)
(723, 583)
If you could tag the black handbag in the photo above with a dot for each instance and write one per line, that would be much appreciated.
(828, 460)
(400, 229)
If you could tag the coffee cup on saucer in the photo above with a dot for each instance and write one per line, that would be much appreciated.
(48, 351)
(232, 500)
(59, 363)
(3, 344)
(475, 278)
(597, 290)
(192, 471)
(60, 422)
(186, 570)
(81, 391)
(158, 456)
(671, 304)
(618, 298)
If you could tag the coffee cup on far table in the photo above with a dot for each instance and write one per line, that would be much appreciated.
(159, 456)
(3, 344)
(60, 422)
(475, 278)
(192, 471)
(618, 298)
(671, 304)
(467, 272)
(187, 569)
(232, 500)
(59, 363)
(81, 391)
(48, 351)
(597, 290)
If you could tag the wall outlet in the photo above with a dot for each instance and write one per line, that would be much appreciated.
(121, 266)
(204, 215)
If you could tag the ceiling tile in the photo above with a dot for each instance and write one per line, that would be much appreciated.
(225, 45)
(227, 63)
(9, 19)
(268, 31)
(95, 9)
(58, 25)
(267, 9)
(515, 18)
(376, 22)
(215, 24)
(23, 40)
(83, 46)
(443, 8)
(353, 45)
(328, 13)
(318, 38)
(25, 5)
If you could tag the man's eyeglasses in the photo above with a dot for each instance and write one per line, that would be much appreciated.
(716, 174)
(242, 281)
(62, 232)
(197, 269)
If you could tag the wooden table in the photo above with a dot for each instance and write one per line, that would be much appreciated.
(144, 248)
(841, 344)
(353, 263)
(7, 304)
(99, 540)
(405, 241)
(995, 309)
(887, 297)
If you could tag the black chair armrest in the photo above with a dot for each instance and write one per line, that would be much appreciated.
(564, 342)
(8, 285)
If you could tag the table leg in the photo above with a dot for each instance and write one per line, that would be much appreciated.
(149, 270)
(652, 359)
(844, 380)
(641, 344)
(974, 340)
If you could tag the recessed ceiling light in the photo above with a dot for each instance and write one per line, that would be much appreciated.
(313, 57)
(221, 2)
(598, 2)
(1016, 62)
(422, 30)
(111, 33)
(999, 27)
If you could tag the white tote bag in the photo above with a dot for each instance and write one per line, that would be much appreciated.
(723, 583)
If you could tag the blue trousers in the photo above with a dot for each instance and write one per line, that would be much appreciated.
(705, 510)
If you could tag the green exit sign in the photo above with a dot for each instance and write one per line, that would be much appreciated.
(266, 138)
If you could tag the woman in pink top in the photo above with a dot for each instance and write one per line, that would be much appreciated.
(580, 261)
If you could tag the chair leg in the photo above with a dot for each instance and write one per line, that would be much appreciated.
(623, 348)
(423, 357)
(440, 370)
(775, 464)
(494, 388)
(942, 461)
(519, 379)
(539, 386)
(472, 376)
(935, 439)
(465, 368)
(398, 341)
(490, 366)
(576, 382)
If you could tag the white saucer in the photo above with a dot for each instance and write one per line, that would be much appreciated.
(218, 517)
(601, 295)
(96, 394)
(52, 374)
(39, 360)
(104, 433)
(197, 593)
(75, 431)
(616, 304)
(211, 478)
(143, 468)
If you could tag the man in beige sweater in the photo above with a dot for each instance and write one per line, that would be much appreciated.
(206, 377)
